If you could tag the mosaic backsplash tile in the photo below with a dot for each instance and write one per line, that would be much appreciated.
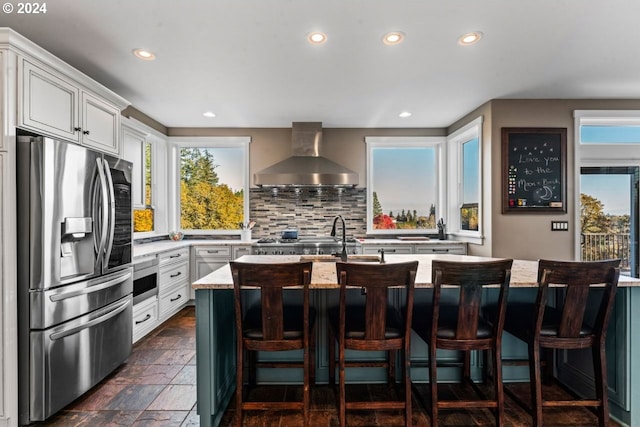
(311, 211)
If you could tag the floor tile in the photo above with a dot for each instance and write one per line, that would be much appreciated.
(135, 396)
(161, 419)
(175, 357)
(175, 397)
(158, 374)
(187, 375)
(98, 397)
(192, 420)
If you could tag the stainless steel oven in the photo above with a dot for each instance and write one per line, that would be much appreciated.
(145, 279)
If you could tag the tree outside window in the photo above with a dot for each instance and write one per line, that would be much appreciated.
(403, 184)
(212, 195)
(143, 219)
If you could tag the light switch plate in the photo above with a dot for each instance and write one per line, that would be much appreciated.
(559, 225)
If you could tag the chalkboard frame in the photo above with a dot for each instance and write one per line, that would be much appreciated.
(510, 140)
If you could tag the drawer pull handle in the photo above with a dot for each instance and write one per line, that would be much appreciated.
(213, 252)
(147, 317)
(176, 275)
(440, 251)
(175, 256)
(176, 298)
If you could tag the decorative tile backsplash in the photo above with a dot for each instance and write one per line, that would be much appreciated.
(310, 210)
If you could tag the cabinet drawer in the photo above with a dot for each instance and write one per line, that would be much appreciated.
(145, 317)
(174, 256)
(391, 249)
(442, 249)
(213, 251)
(239, 251)
(176, 297)
(172, 274)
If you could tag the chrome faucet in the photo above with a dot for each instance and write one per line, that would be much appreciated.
(343, 255)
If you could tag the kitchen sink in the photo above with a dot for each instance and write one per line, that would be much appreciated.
(334, 258)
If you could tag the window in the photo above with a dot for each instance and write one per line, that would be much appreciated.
(212, 184)
(403, 184)
(145, 149)
(143, 217)
(465, 181)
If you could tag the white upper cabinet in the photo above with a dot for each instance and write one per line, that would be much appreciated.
(52, 104)
(49, 103)
(101, 124)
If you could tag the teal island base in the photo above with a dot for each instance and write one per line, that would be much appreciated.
(215, 355)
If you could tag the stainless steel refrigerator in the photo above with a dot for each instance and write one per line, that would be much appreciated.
(75, 279)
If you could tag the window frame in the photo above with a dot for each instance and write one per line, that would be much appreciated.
(600, 155)
(176, 143)
(436, 142)
(455, 142)
(158, 193)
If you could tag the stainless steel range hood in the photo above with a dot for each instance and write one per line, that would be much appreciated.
(306, 166)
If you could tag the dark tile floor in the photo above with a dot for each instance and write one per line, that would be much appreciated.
(156, 387)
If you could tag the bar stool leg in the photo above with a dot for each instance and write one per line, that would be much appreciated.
(239, 391)
(466, 366)
(342, 411)
(498, 385)
(408, 413)
(600, 374)
(433, 379)
(332, 357)
(535, 382)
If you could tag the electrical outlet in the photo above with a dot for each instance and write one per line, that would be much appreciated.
(559, 225)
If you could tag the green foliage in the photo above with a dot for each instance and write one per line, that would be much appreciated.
(592, 217)
(205, 203)
(377, 207)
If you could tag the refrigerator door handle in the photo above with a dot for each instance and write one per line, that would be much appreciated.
(112, 213)
(66, 295)
(105, 207)
(102, 318)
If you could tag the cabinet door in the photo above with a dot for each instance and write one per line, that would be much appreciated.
(49, 103)
(100, 124)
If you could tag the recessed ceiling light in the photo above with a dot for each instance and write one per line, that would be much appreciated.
(144, 54)
(392, 38)
(209, 114)
(317, 37)
(470, 38)
(405, 114)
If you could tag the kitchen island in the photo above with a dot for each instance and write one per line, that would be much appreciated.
(215, 336)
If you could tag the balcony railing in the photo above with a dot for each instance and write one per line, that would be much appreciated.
(599, 246)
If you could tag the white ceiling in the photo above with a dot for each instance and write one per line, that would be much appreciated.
(249, 62)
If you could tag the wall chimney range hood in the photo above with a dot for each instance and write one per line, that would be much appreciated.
(306, 167)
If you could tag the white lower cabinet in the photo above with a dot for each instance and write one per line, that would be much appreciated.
(173, 282)
(145, 317)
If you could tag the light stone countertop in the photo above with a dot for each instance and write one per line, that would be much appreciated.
(408, 241)
(323, 276)
(152, 248)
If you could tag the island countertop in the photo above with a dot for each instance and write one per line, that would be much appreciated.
(523, 272)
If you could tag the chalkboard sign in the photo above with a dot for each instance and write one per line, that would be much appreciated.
(534, 169)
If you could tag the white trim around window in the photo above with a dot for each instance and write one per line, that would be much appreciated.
(438, 144)
(175, 144)
(455, 143)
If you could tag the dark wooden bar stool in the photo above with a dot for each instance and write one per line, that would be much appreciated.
(374, 326)
(462, 327)
(273, 326)
(563, 327)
